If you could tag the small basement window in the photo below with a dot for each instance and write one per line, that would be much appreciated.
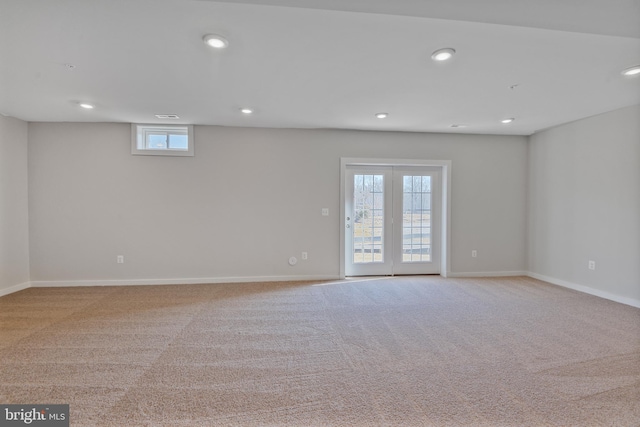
(162, 140)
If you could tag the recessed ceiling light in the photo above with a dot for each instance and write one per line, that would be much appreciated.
(246, 111)
(507, 121)
(86, 106)
(632, 71)
(382, 115)
(167, 116)
(443, 54)
(216, 41)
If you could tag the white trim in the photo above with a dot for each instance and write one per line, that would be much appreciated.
(488, 274)
(188, 281)
(445, 221)
(585, 289)
(15, 288)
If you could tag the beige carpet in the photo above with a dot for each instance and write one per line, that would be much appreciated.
(404, 351)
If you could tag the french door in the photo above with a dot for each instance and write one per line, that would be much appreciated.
(392, 220)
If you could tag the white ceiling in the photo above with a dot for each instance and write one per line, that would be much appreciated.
(322, 63)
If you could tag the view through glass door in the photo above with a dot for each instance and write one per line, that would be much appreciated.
(392, 220)
(368, 207)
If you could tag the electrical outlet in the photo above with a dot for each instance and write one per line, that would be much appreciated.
(305, 255)
(592, 265)
(120, 259)
(474, 253)
(325, 211)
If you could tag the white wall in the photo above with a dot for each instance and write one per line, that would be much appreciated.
(247, 201)
(584, 204)
(14, 231)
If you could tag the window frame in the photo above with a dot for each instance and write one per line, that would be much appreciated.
(139, 133)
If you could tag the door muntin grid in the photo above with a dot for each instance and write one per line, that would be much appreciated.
(368, 218)
(416, 218)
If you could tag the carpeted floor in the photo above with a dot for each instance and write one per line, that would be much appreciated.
(403, 351)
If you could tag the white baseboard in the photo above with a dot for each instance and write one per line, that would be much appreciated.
(16, 288)
(585, 289)
(488, 274)
(189, 281)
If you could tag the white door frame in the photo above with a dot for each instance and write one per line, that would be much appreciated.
(445, 237)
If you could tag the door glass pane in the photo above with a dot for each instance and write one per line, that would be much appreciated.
(368, 219)
(416, 219)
